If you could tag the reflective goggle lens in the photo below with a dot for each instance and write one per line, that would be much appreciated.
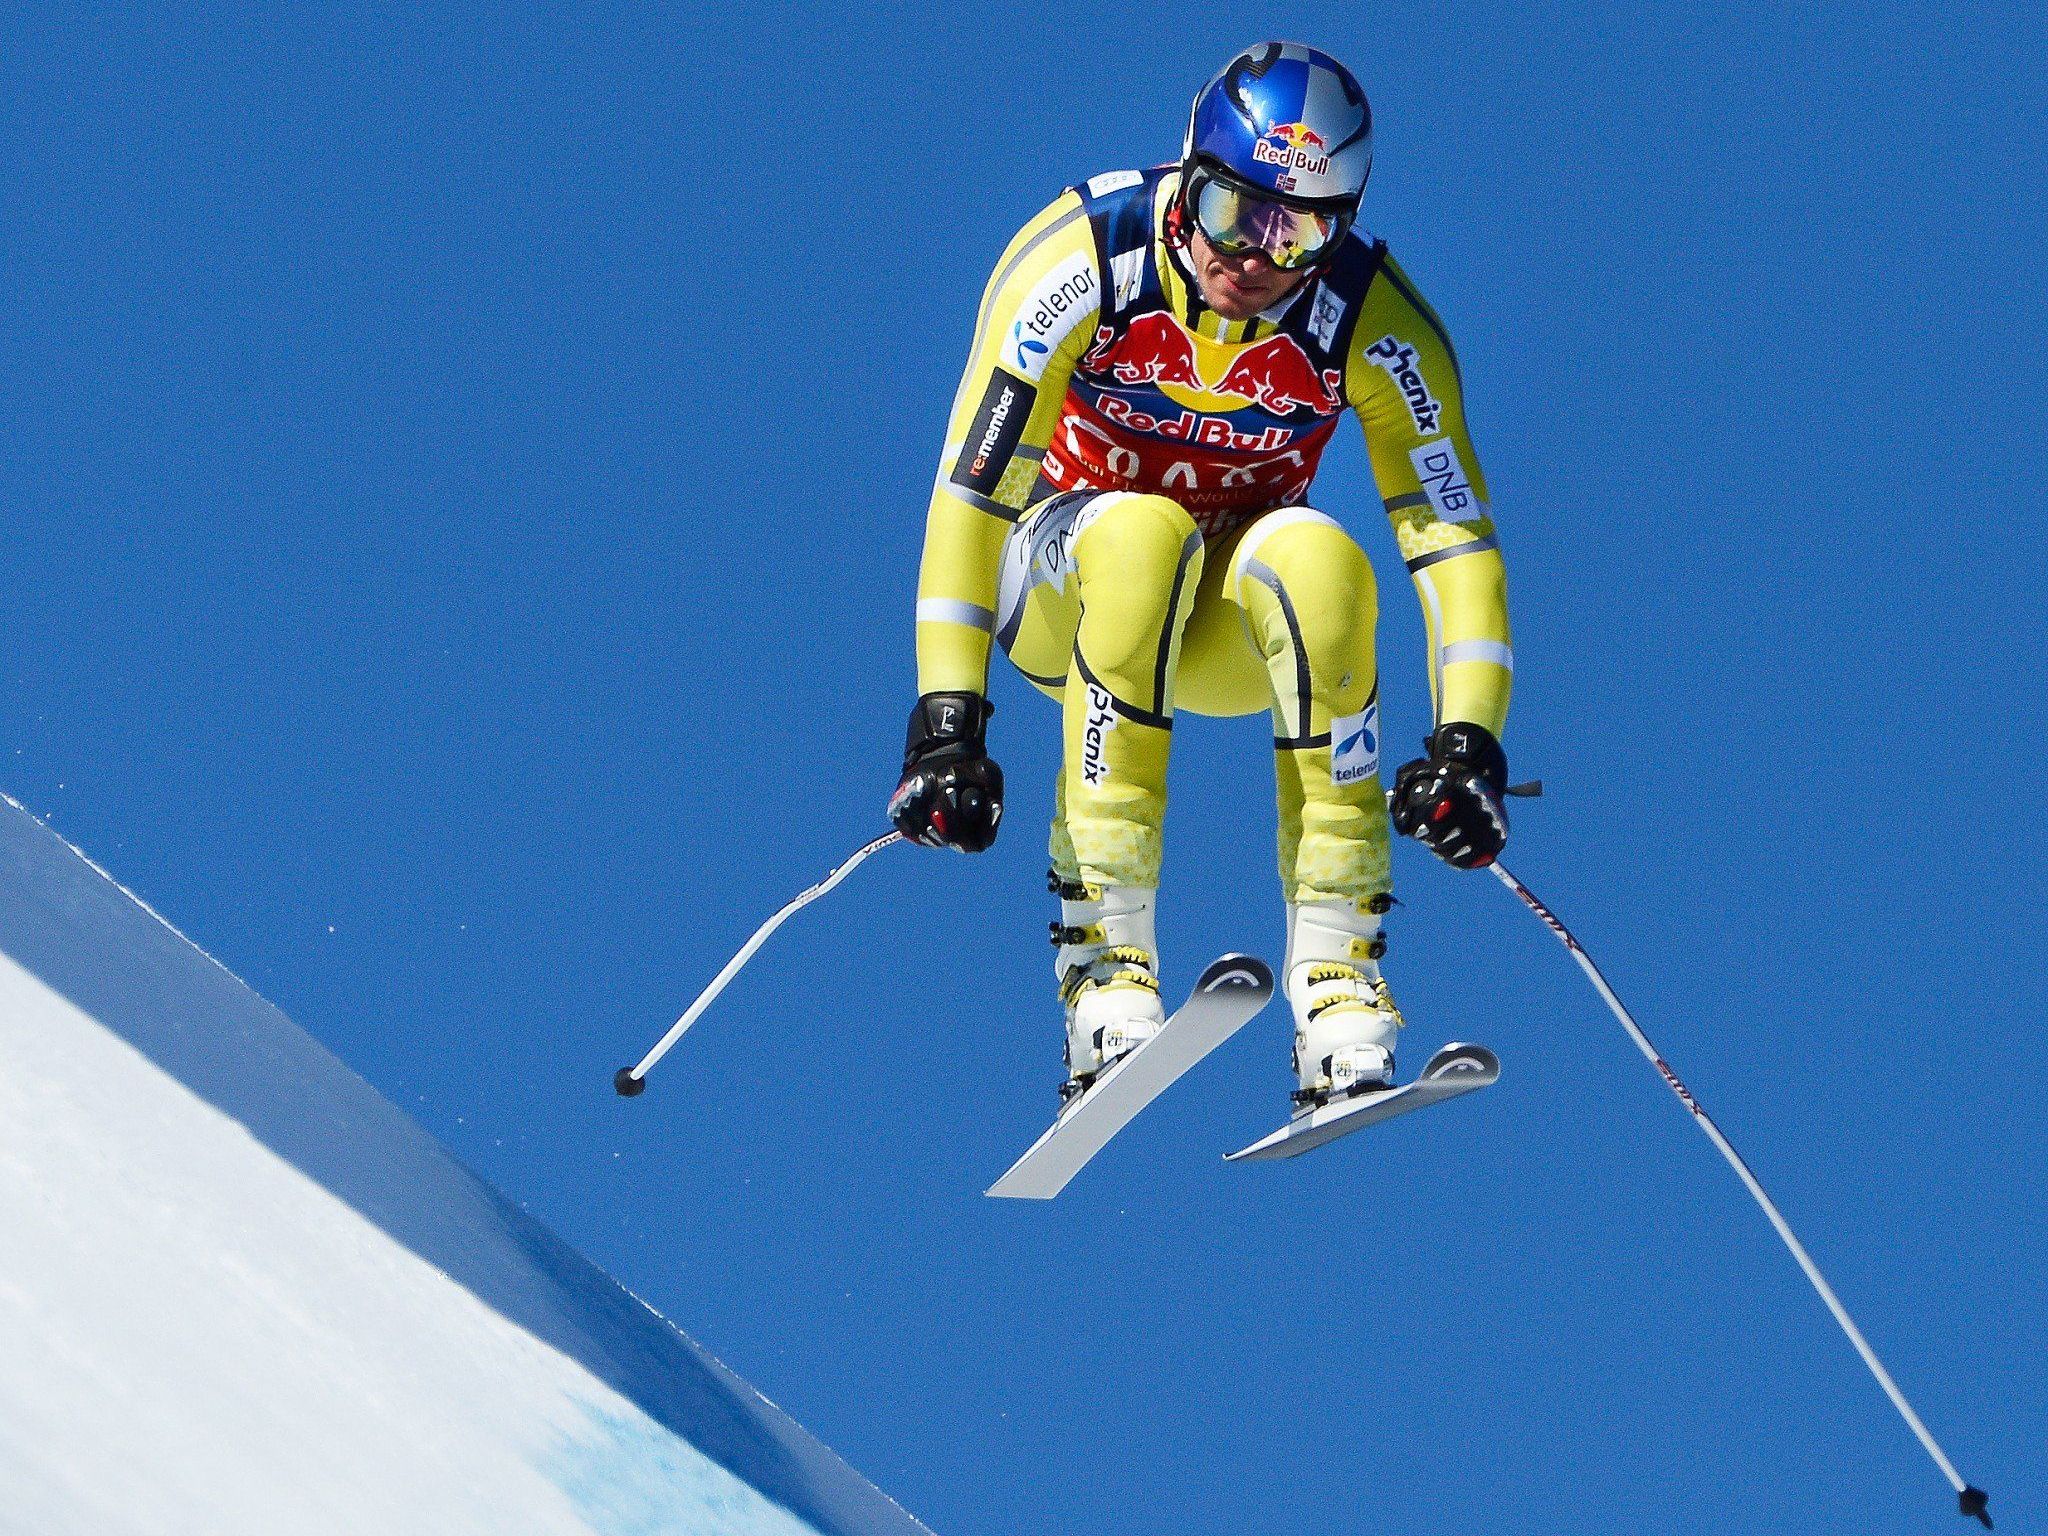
(1236, 221)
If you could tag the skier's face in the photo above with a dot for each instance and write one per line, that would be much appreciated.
(1238, 287)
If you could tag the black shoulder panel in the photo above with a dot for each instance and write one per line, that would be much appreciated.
(1122, 220)
(1339, 300)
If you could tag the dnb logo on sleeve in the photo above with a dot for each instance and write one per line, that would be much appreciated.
(1355, 745)
(1444, 480)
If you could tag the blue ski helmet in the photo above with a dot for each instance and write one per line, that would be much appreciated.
(1287, 122)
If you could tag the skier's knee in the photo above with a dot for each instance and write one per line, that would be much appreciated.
(1137, 539)
(1327, 582)
(1318, 562)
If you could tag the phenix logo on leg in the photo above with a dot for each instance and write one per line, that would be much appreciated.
(1101, 721)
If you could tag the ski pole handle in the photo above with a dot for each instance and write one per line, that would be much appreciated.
(633, 1080)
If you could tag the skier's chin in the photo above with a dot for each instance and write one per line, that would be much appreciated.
(1237, 298)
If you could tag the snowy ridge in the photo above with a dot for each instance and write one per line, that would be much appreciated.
(240, 1292)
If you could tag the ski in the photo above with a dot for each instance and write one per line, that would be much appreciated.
(1226, 998)
(1454, 1070)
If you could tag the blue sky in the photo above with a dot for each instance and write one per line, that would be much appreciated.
(464, 481)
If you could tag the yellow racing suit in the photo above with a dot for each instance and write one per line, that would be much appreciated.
(1122, 504)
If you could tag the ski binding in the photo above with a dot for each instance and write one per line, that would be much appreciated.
(1454, 1070)
(1226, 998)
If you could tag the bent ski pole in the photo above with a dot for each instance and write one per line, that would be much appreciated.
(1971, 1500)
(632, 1080)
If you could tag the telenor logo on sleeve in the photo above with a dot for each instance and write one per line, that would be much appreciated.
(1062, 299)
(1355, 745)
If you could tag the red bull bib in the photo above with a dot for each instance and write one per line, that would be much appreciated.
(1227, 428)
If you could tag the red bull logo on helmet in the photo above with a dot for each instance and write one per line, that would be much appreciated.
(1293, 147)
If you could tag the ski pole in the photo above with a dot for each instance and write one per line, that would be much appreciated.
(1972, 1501)
(633, 1080)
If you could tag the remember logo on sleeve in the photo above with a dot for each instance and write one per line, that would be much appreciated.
(993, 435)
(1355, 745)
(1444, 480)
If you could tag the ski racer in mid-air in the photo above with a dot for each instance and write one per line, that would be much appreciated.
(1159, 362)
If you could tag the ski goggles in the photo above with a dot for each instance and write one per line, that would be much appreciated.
(1236, 221)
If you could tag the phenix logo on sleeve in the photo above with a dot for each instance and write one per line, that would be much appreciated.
(1398, 359)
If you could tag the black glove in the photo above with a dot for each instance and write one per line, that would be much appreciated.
(951, 793)
(1450, 801)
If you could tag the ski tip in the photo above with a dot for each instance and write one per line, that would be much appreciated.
(627, 1084)
(1462, 1060)
(1974, 1503)
(1235, 970)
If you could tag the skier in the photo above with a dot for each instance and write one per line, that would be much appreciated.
(1159, 361)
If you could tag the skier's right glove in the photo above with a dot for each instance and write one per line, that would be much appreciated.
(1450, 801)
(951, 793)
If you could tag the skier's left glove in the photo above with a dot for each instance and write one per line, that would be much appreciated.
(951, 793)
(1450, 801)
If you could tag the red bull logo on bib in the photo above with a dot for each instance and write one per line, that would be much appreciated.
(1223, 428)
(1273, 374)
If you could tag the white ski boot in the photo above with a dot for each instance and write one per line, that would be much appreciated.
(1108, 967)
(1345, 1020)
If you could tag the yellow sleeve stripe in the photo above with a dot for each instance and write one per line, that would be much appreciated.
(1471, 657)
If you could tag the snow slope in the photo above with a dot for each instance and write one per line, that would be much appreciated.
(241, 1293)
